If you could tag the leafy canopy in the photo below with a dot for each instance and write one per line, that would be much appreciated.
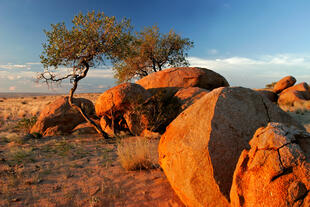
(91, 39)
(149, 51)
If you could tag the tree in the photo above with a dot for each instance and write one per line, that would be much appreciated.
(149, 51)
(93, 38)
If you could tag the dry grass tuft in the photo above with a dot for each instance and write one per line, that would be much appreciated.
(298, 107)
(20, 155)
(25, 124)
(300, 111)
(138, 153)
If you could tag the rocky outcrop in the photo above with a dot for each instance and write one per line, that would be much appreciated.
(120, 99)
(272, 96)
(292, 95)
(173, 79)
(303, 86)
(60, 118)
(275, 171)
(284, 83)
(85, 128)
(115, 104)
(113, 127)
(188, 96)
(137, 122)
(201, 147)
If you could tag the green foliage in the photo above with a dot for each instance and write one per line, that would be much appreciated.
(150, 51)
(92, 38)
(160, 110)
(26, 124)
(163, 111)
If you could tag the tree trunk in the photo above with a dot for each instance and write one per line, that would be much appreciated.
(159, 67)
(72, 90)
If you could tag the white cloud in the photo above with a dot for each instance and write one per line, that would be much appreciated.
(282, 59)
(14, 75)
(100, 73)
(12, 88)
(11, 66)
(33, 63)
(28, 66)
(257, 72)
(239, 71)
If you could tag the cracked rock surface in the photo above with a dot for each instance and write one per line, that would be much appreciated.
(201, 147)
(275, 171)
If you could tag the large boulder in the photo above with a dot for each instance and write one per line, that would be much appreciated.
(272, 96)
(303, 86)
(183, 77)
(106, 126)
(113, 127)
(188, 96)
(60, 118)
(284, 83)
(155, 114)
(200, 148)
(120, 98)
(160, 110)
(292, 95)
(137, 122)
(86, 128)
(275, 171)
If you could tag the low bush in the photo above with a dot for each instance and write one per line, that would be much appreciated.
(138, 153)
(160, 110)
(21, 155)
(25, 124)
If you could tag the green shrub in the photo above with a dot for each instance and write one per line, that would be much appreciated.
(160, 109)
(26, 124)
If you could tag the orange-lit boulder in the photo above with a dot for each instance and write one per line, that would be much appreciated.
(297, 93)
(86, 128)
(303, 86)
(284, 83)
(201, 147)
(275, 171)
(120, 98)
(115, 127)
(188, 96)
(183, 77)
(60, 118)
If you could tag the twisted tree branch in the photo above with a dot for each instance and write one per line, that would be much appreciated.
(72, 90)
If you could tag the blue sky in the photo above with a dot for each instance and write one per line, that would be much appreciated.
(249, 42)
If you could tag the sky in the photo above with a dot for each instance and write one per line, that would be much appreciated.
(250, 42)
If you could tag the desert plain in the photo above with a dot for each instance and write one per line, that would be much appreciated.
(71, 170)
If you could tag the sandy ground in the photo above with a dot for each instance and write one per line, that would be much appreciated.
(76, 170)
